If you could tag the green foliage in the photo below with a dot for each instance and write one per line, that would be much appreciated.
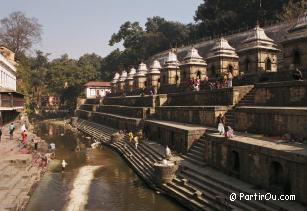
(219, 16)
(64, 77)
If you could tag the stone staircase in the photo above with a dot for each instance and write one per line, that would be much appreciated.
(142, 161)
(196, 153)
(230, 118)
(248, 99)
(217, 189)
(196, 185)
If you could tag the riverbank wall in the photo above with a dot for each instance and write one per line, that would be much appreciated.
(20, 169)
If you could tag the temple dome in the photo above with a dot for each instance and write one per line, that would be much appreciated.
(193, 57)
(171, 60)
(116, 77)
(142, 70)
(258, 40)
(155, 67)
(222, 49)
(123, 76)
(131, 73)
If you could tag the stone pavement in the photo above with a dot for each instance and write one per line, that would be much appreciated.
(18, 172)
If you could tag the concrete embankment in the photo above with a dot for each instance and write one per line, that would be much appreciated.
(20, 168)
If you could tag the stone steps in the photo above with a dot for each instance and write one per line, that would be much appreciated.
(209, 199)
(211, 190)
(206, 182)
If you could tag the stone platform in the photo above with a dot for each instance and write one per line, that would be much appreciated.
(202, 115)
(130, 111)
(177, 136)
(276, 167)
(272, 121)
(137, 100)
(117, 121)
(222, 97)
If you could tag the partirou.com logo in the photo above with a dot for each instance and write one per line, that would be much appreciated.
(260, 196)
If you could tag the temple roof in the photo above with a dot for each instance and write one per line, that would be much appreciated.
(155, 67)
(131, 73)
(97, 84)
(123, 76)
(115, 79)
(301, 23)
(299, 30)
(193, 57)
(222, 49)
(142, 70)
(171, 60)
(258, 40)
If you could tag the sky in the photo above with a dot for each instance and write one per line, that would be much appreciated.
(77, 27)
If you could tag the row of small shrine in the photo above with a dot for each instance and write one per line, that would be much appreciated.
(257, 53)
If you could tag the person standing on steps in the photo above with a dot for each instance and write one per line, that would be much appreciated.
(130, 135)
(168, 153)
(229, 79)
(11, 130)
(136, 142)
(221, 124)
(64, 164)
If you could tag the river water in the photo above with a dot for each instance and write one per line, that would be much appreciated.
(94, 179)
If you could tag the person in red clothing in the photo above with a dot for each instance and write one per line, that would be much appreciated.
(23, 137)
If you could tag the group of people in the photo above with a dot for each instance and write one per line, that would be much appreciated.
(225, 81)
(135, 138)
(222, 129)
(194, 84)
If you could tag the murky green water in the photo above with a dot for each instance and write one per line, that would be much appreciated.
(114, 187)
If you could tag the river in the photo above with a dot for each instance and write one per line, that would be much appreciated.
(94, 179)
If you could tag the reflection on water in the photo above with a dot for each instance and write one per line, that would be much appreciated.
(114, 187)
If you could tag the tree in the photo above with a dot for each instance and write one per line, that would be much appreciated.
(129, 33)
(19, 33)
(219, 16)
(293, 9)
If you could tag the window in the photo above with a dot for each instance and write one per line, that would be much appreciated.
(268, 64)
(212, 70)
(247, 65)
(92, 92)
(296, 57)
(198, 74)
(230, 68)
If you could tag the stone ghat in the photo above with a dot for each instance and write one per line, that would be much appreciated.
(130, 111)
(279, 168)
(227, 96)
(273, 121)
(179, 137)
(287, 93)
(196, 185)
(138, 101)
(19, 173)
(201, 115)
(88, 107)
(117, 121)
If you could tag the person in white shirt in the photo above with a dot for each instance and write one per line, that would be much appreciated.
(168, 152)
(64, 164)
